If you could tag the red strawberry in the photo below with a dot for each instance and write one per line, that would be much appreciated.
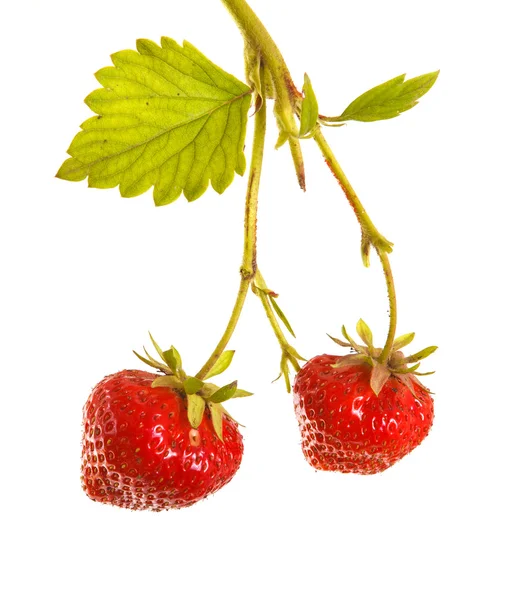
(357, 415)
(141, 452)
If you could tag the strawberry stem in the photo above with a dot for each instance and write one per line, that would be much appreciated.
(258, 38)
(288, 352)
(393, 309)
(371, 237)
(249, 259)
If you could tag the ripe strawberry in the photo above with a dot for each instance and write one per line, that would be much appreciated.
(357, 416)
(140, 451)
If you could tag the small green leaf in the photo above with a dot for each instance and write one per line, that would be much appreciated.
(168, 381)
(309, 113)
(192, 385)
(223, 362)
(388, 100)
(196, 406)
(365, 333)
(165, 117)
(224, 393)
(403, 340)
(216, 412)
(280, 314)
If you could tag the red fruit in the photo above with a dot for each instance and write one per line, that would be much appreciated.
(346, 427)
(140, 451)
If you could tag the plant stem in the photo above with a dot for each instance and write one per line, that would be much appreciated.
(257, 36)
(287, 349)
(249, 258)
(369, 231)
(393, 309)
(370, 237)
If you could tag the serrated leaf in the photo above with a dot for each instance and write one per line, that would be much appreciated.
(216, 412)
(280, 314)
(388, 100)
(403, 340)
(168, 381)
(365, 333)
(192, 385)
(166, 117)
(223, 362)
(196, 406)
(224, 393)
(309, 113)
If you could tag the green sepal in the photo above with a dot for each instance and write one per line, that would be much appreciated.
(156, 346)
(422, 354)
(241, 393)
(223, 362)
(192, 385)
(353, 344)
(224, 393)
(365, 333)
(411, 369)
(216, 412)
(151, 363)
(309, 112)
(402, 341)
(424, 374)
(387, 100)
(353, 359)
(339, 342)
(196, 406)
(170, 381)
(379, 376)
(170, 359)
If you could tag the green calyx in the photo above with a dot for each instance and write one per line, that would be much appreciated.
(398, 365)
(199, 393)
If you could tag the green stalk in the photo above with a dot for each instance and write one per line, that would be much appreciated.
(287, 350)
(257, 36)
(371, 237)
(249, 259)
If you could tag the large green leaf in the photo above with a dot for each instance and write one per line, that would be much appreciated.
(168, 118)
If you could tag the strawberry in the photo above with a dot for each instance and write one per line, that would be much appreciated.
(358, 416)
(144, 446)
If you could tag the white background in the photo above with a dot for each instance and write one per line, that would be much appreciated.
(86, 274)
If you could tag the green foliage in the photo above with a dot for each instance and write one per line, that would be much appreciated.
(387, 100)
(166, 117)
